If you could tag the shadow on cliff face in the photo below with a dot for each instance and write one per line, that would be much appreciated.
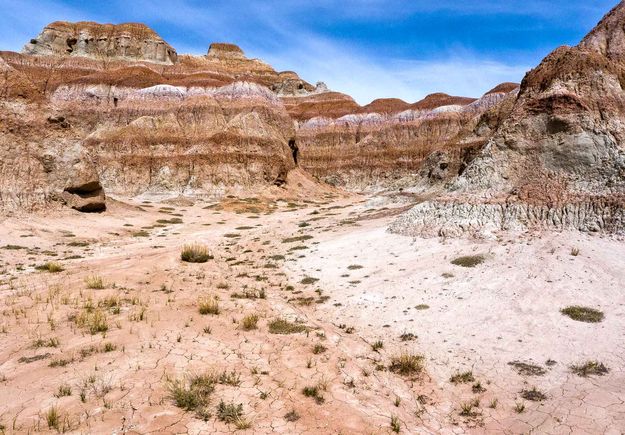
(281, 179)
(294, 150)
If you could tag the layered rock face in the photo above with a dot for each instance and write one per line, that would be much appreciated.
(43, 160)
(166, 139)
(398, 144)
(148, 120)
(128, 117)
(557, 157)
(102, 42)
(89, 109)
(152, 121)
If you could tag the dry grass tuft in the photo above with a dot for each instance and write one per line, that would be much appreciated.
(533, 395)
(94, 321)
(462, 378)
(249, 322)
(94, 282)
(407, 364)
(195, 253)
(315, 392)
(208, 305)
(193, 393)
(51, 266)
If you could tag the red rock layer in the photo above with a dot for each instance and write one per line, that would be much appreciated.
(433, 101)
(209, 124)
(362, 149)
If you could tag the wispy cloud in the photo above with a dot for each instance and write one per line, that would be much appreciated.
(366, 78)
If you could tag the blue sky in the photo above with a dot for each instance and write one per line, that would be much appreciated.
(366, 48)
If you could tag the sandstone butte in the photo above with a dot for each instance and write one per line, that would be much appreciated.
(107, 129)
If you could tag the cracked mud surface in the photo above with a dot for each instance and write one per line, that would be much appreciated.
(371, 286)
(500, 319)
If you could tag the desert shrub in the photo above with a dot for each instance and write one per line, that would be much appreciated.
(283, 326)
(63, 391)
(53, 418)
(314, 392)
(108, 347)
(583, 314)
(60, 362)
(319, 348)
(469, 260)
(208, 305)
(232, 378)
(527, 369)
(229, 412)
(292, 416)
(462, 377)
(195, 253)
(395, 424)
(296, 239)
(533, 395)
(193, 393)
(14, 247)
(589, 368)
(51, 342)
(467, 408)
(175, 220)
(407, 364)
(249, 294)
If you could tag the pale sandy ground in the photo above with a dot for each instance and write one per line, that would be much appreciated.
(479, 319)
(505, 309)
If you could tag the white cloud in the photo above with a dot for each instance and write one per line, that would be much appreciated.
(365, 77)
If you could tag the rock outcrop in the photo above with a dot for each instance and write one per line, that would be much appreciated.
(129, 41)
(558, 146)
(43, 160)
(87, 110)
(224, 50)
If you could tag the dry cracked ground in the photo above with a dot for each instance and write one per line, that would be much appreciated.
(308, 317)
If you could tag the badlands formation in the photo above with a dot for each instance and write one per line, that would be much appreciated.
(202, 244)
